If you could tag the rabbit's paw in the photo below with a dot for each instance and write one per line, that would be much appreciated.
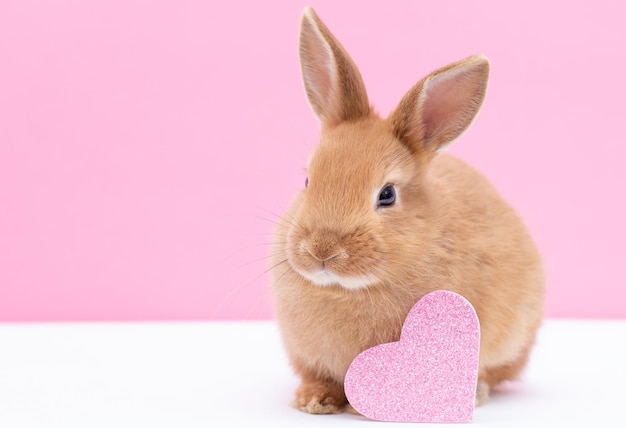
(320, 398)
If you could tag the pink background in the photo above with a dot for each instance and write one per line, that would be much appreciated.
(147, 146)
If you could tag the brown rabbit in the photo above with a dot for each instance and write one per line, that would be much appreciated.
(386, 218)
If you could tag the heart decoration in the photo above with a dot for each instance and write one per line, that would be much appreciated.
(430, 375)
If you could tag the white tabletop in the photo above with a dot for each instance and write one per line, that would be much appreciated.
(236, 375)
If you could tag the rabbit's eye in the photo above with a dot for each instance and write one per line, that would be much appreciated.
(387, 196)
(306, 182)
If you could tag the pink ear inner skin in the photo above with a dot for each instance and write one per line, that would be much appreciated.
(430, 375)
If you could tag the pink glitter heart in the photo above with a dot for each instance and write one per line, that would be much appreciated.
(430, 375)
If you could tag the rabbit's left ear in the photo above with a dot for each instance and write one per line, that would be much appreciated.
(440, 107)
(332, 81)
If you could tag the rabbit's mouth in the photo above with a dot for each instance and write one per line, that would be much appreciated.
(325, 277)
(326, 257)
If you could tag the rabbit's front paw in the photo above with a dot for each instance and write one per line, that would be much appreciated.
(320, 398)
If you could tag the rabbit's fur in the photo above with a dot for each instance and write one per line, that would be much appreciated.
(347, 271)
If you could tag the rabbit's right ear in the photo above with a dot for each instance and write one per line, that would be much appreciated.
(332, 82)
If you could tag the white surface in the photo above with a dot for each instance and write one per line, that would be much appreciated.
(236, 375)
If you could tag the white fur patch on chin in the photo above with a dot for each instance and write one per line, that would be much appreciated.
(325, 278)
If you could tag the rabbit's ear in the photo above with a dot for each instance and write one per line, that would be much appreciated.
(441, 106)
(332, 82)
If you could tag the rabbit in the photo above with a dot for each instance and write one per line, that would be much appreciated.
(386, 217)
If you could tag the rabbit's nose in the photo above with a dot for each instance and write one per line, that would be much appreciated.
(324, 256)
(324, 245)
